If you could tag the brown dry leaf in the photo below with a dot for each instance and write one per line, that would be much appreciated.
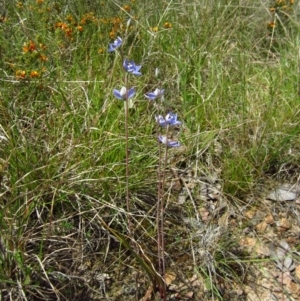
(148, 294)
(294, 288)
(194, 281)
(194, 277)
(249, 214)
(214, 195)
(269, 219)
(223, 221)
(169, 278)
(261, 227)
(284, 224)
(285, 278)
(262, 250)
(297, 272)
(248, 242)
(189, 295)
(204, 214)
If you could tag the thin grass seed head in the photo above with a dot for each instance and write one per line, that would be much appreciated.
(115, 45)
(168, 142)
(131, 67)
(156, 94)
(124, 94)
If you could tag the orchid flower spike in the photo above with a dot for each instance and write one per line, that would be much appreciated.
(124, 94)
(131, 67)
(156, 94)
(115, 45)
(167, 142)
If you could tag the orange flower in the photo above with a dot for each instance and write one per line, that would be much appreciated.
(20, 74)
(112, 34)
(34, 74)
(29, 47)
(68, 32)
(127, 8)
(61, 25)
(154, 29)
(58, 24)
(116, 21)
(167, 25)
(70, 19)
(42, 46)
(79, 28)
(43, 58)
(271, 24)
(272, 9)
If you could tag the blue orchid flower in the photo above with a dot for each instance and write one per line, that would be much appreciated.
(169, 119)
(131, 67)
(156, 94)
(167, 142)
(124, 94)
(115, 45)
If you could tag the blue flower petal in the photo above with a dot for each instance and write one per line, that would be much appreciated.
(131, 93)
(156, 94)
(117, 94)
(115, 45)
(124, 94)
(168, 142)
(131, 67)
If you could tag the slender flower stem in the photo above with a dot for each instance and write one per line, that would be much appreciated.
(126, 148)
(160, 215)
(159, 196)
(159, 199)
(127, 159)
(162, 207)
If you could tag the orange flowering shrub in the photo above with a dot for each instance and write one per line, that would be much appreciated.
(29, 47)
(167, 25)
(34, 73)
(281, 9)
(20, 74)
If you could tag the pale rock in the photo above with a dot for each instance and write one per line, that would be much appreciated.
(283, 193)
(181, 199)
